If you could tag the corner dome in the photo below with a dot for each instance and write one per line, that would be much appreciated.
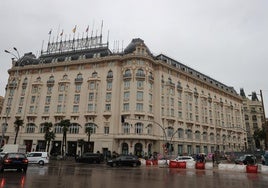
(27, 59)
(134, 44)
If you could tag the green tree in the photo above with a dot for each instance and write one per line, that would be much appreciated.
(49, 134)
(81, 143)
(258, 136)
(17, 124)
(89, 131)
(65, 124)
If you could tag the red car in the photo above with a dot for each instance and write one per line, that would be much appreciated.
(17, 161)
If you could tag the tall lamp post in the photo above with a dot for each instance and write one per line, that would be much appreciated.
(264, 122)
(158, 124)
(5, 124)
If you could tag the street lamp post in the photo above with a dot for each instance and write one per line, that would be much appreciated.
(264, 122)
(14, 55)
(158, 124)
(5, 124)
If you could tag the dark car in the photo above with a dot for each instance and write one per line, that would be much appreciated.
(90, 158)
(17, 161)
(125, 160)
(246, 159)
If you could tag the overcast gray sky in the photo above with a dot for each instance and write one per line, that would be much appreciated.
(224, 39)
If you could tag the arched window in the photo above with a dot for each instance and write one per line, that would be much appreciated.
(197, 135)
(65, 77)
(128, 72)
(211, 137)
(170, 131)
(124, 148)
(140, 72)
(92, 126)
(79, 76)
(218, 138)
(180, 133)
(138, 128)
(94, 74)
(42, 128)
(110, 74)
(58, 129)
(126, 128)
(151, 76)
(25, 81)
(30, 128)
(51, 78)
(149, 129)
(74, 128)
(189, 133)
(38, 79)
(205, 136)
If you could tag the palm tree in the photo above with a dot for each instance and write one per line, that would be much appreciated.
(89, 131)
(258, 135)
(49, 135)
(65, 124)
(81, 143)
(18, 123)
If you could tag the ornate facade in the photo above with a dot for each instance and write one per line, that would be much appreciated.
(133, 101)
(254, 118)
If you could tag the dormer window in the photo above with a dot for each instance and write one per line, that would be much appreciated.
(110, 74)
(94, 74)
(65, 77)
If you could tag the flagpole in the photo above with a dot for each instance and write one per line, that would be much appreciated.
(74, 30)
(101, 31)
(49, 36)
(58, 32)
(108, 38)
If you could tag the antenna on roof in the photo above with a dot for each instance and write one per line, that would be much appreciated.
(122, 45)
(92, 29)
(108, 39)
(101, 31)
(42, 47)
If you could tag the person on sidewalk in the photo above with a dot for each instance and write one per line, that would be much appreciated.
(266, 157)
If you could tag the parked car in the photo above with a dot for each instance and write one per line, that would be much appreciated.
(90, 158)
(184, 158)
(125, 160)
(17, 161)
(246, 159)
(38, 157)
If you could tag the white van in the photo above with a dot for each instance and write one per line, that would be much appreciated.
(38, 157)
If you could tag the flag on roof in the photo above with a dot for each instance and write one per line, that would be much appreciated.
(74, 29)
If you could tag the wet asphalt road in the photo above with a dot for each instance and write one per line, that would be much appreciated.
(68, 174)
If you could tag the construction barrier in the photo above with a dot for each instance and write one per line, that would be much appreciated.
(190, 164)
(173, 164)
(209, 165)
(259, 168)
(151, 162)
(181, 164)
(252, 169)
(199, 165)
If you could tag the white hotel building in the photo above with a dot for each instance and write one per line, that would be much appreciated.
(160, 100)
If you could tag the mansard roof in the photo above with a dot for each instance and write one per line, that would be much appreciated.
(137, 42)
(195, 73)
